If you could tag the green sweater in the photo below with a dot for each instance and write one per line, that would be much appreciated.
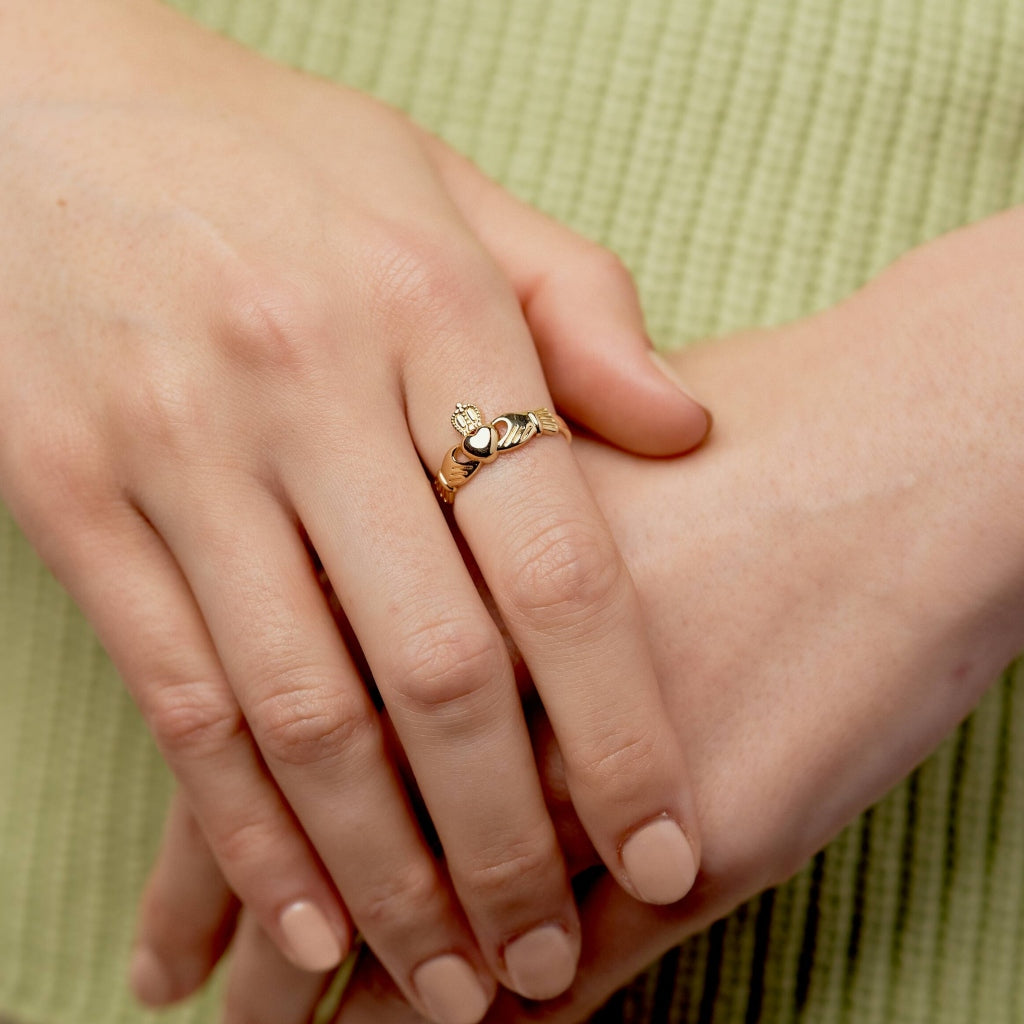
(752, 160)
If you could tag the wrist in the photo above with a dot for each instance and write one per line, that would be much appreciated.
(881, 437)
(943, 329)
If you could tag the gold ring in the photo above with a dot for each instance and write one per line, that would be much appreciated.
(484, 442)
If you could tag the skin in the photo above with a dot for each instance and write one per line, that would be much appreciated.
(830, 585)
(240, 309)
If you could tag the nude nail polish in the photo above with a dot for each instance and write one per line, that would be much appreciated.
(659, 861)
(311, 940)
(450, 990)
(541, 963)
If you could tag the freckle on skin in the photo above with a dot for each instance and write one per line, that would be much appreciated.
(62, 202)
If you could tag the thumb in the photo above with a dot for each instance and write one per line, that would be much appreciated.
(582, 308)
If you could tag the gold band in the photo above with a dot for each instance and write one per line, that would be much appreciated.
(484, 442)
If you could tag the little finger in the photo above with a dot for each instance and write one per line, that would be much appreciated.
(148, 621)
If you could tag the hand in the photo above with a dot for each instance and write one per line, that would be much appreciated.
(830, 585)
(239, 305)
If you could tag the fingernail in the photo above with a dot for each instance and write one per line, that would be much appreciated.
(450, 990)
(149, 979)
(312, 943)
(659, 861)
(541, 963)
(667, 369)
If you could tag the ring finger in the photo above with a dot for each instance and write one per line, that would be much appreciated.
(564, 593)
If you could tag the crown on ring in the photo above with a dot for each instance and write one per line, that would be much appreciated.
(467, 419)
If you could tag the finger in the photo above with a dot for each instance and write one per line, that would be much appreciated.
(371, 997)
(263, 985)
(443, 671)
(582, 307)
(621, 935)
(321, 738)
(562, 589)
(186, 915)
(621, 938)
(147, 619)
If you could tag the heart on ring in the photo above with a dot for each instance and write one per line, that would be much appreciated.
(482, 445)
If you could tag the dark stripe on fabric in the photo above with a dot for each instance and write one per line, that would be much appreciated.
(907, 853)
(998, 794)
(712, 973)
(665, 987)
(949, 859)
(805, 966)
(860, 882)
(762, 939)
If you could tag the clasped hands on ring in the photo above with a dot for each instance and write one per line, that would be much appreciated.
(483, 442)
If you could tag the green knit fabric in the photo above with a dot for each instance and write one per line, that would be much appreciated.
(752, 160)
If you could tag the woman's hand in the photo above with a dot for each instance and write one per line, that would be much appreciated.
(237, 308)
(830, 585)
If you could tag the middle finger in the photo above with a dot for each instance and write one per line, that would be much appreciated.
(445, 675)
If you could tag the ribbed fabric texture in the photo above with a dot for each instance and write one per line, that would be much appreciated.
(751, 161)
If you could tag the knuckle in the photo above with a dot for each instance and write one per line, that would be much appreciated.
(616, 767)
(502, 879)
(569, 570)
(444, 665)
(399, 900)
(245, 846)
(270, 321)
(310, 723)
(167, 407)
(425, 282)
(191, 719)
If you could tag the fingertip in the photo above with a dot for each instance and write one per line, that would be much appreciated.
(697, 417)
(151, 982)
(452, 991)
(161, 979)
(630, 396)
(660, 861)
(543, 962)
(310, 942)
